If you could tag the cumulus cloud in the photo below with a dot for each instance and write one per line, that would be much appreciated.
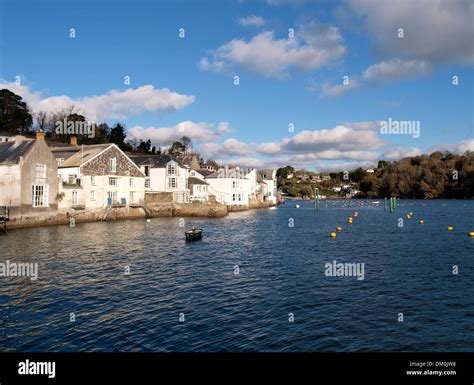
(342, 138)
(269, 148)
(338, 89)
(115, 104)
(396, 69)
(456, 148)
(313, 46)
(384, 71)
(224, 128)
(252, 21)
(164, 135)
(401, 152)
(434, 30)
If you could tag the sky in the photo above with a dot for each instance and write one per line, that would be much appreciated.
(258, 83)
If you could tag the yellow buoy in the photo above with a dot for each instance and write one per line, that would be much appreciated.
(338, 228)
(450, 228)
(408, 216)
(349, 220)
(422, 222)
(471, 233)
(333, 235)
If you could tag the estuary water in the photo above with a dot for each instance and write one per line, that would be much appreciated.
(257, 281)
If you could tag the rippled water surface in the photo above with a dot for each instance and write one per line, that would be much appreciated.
(408, 270)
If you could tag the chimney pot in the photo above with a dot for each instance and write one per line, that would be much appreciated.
(40, 134)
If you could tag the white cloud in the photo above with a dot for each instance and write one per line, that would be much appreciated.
(214, 66)
(396, 69)
(252, 21)
(338, 89)
(456, 148)
(224, 128)
(236, 147)
(116, 104)
(434, 30)
(164, 135)
(269, 148)
(313, 46)
(342, 138)
(401, 152)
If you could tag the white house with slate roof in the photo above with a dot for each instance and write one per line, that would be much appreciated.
(28, 174)
(97, 176)
(163, 173)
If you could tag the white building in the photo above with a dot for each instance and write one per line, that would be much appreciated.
(231, 186)
(163, 173)
(97, 176)
(199, 190)
(268, 181)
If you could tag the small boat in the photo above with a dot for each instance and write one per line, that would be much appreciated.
(193, 234)
(297, 206)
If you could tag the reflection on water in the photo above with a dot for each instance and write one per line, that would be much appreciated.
(281, 271)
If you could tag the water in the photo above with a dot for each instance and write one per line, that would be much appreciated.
(407, 270)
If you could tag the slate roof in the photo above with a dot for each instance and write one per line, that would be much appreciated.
(264, 174)
(11, 152)
(204, 172)
(78, 155)
(192, 181)
(155, 161)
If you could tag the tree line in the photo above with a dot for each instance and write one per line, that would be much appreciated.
(16, 118)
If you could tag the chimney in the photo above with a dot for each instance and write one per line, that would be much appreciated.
(73, 140)
(39, 134)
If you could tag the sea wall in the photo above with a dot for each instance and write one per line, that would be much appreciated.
(155, 208)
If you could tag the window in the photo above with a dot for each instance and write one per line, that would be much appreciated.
(40, 171)
(147, 183)
(39, 196)
(132, 197)
(75, 198)
(146, 170)
(113, 181)
(198, 188)
(171, 169)
(131, 182)
(234, 184)
(204, 188)
(60, 161)
(240, 198)
(172, 183)
(93, 195)
(233, 197)
(113, 164)
(92, 180)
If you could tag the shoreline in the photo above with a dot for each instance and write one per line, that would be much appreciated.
(179, 210)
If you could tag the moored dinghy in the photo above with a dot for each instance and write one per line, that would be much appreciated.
(193, 234)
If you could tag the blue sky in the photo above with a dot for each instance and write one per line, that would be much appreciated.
(283, 79)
